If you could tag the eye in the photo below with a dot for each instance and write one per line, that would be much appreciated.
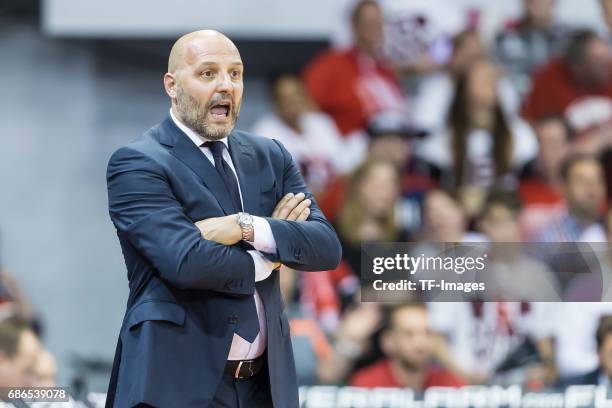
(208, 74)
(236, 74)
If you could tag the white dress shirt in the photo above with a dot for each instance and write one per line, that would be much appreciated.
(264, 242)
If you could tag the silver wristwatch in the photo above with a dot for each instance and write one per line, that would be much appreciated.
(245, 221)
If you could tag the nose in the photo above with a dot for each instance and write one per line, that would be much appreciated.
(224, 85)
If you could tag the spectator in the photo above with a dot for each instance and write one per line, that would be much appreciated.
(368, 214)
(478, 340)
(354, 85)
(577, 86)
(407, 343)
(310, 136)
(445, 219)
(530, 42)
(394, 144)
(509, 268)
(436, 91)
(481, 146)
(584, 191)
(541, 187)
(602, 375)
(19, 355)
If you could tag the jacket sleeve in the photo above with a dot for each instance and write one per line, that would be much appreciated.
(310, 245)
(144, 210)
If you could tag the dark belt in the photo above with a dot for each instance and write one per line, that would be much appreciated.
(243, 368)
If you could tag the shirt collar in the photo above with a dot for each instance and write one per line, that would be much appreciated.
(193, 136)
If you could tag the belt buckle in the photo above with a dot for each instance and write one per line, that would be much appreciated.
(237, 373)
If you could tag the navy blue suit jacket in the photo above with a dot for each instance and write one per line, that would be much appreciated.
(185, 291)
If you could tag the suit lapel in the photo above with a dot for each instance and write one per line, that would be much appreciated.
(187, 152)
(245, 163)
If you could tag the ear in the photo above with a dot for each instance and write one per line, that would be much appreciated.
(170, 85)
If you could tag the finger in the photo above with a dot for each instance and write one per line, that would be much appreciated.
(290, 205)
(304, 215)
(295, 213)
(281, 204)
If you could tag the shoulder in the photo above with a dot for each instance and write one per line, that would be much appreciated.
(332, 60)
(140, 152)
(260, 143)
(372, 376)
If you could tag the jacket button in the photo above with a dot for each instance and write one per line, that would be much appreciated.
(233, 319)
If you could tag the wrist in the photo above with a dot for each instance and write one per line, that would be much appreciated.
(245, 224)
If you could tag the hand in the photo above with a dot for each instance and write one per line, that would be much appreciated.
(292, 207)
(223, 230)
(360, 323)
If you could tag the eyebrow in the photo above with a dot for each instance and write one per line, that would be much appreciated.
(213, 63)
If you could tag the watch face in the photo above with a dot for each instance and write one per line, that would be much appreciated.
(245, 219)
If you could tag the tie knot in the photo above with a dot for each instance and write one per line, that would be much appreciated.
(216, 148)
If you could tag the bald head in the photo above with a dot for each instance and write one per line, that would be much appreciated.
(191, 45)
(204, 83)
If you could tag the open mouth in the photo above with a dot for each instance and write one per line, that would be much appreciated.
(221, 110)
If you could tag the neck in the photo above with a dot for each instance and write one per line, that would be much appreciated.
(409, 377)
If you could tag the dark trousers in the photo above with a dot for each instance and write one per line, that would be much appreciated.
(253, 392)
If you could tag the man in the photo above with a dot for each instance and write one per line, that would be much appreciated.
(310, 136)
(205, 325)
(584, 190)
(19, 354)
(353, 86)
(408, 344)
(541, 187)
(577, 86)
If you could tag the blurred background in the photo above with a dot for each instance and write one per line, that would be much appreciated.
(412, 120)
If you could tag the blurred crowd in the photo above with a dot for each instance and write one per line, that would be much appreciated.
(416, 134)
(413, 135)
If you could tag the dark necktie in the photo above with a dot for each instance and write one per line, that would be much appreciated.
(248, 324)
(226, 173)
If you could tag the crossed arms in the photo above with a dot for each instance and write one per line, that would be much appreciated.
(146, 213)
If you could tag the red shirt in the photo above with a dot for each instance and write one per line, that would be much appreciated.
(554, 92)
(351, 88)
(380, 374)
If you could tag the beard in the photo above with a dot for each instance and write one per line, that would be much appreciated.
(194, 115)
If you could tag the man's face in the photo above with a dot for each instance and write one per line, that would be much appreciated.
(209, 87)
(444, 218)
(605, 355)
(596, 65)
(291, 99)
(368, 29)
(500, 224)
(19, 370)
(540, 12)
(409, 338)
(552, 138)
(585, 189)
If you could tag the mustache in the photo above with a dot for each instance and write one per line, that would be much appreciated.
(219, 98)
